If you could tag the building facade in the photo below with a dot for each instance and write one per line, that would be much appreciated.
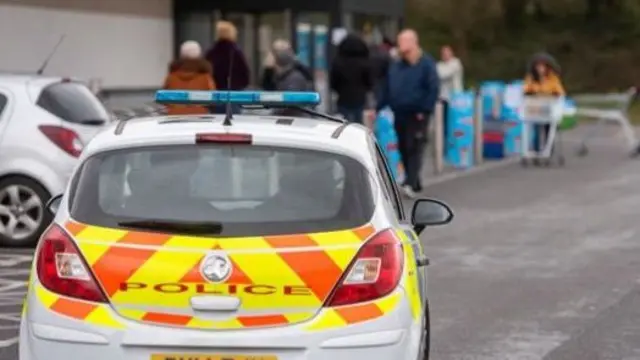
(124, 46)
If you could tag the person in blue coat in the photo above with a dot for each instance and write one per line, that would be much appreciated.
(411, 90)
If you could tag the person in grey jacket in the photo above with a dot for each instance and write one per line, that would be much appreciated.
(288, 77)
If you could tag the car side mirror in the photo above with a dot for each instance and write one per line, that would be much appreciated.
(54, 204)
(430, 212)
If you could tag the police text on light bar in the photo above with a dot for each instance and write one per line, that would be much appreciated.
(289, 98)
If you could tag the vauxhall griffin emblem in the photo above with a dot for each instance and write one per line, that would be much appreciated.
(216, 267)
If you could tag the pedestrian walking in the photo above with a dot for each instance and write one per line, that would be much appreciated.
(268, 74)
(288, 77)
(411, 91)
(351, 77)
(189, 72)
(230, 68)
(542, 79)
(450, 72)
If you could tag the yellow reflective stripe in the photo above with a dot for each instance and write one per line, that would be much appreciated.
(46, 297)
(327, 319)
(298, 317)
(201, 323)
(101, 316)
(389, 303)
(191, 242)
(165, 267)
(264, 267)
(346, 243)
(411, 277)
(133, 314)
(94, 241)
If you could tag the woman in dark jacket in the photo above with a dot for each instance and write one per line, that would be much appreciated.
(227, 60)
(352, 77)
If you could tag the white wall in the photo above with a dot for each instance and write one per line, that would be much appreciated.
(125, 43)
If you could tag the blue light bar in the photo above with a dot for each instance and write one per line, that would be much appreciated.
(188, 97)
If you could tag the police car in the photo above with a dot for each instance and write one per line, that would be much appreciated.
(212, 237)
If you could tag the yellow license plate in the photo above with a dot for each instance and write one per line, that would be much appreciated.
(211, 357)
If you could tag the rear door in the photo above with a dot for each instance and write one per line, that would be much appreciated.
(77, 107)
(220, 236)
(417, 260)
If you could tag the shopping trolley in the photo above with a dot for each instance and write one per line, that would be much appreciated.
(536, 111)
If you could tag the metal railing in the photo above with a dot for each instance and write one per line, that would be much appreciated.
(607, 108)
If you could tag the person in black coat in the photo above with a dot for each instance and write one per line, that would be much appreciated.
(351, 77)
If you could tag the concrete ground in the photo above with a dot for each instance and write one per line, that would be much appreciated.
(538, 264)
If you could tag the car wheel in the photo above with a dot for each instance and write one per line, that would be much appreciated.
(425, 344)
(23, 213)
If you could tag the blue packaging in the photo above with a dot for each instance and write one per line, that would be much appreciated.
(388, 140)
(491, 92)
(459, 151)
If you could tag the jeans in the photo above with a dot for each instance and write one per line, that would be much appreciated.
(541, 132)
(352, 113)
(412, 140)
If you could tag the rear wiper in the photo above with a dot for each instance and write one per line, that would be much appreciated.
(94, 122)
(187, 227)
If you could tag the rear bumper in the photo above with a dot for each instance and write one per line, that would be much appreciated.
(45, 335)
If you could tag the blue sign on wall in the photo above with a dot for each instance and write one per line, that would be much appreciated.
(491, 92)
(303, 34)
(459, 152)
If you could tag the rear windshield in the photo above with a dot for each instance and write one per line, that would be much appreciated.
(72, 102)
(248, 190)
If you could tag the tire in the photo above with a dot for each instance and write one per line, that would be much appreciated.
(22, 198)
(524, 162)
(426, 346)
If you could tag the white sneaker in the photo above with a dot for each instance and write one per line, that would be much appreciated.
(408, 191)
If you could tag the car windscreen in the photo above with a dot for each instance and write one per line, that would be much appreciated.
(246, 190)
(72, 102)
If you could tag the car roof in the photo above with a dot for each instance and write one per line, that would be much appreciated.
(310, 133)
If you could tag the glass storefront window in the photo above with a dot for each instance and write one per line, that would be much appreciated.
(195, 26)
(272, 26)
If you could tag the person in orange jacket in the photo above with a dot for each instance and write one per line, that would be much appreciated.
(543, 79)
(189, 72)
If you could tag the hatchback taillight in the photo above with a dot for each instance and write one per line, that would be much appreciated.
(62, 270)
(374, 273)
(66, 139)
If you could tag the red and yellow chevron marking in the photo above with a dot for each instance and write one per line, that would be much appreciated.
(101, 315)
(314, 262)
(352, 314)
(95, 314)
(410, 277)
(237, 322)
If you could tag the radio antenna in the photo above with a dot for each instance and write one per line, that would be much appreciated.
(53, 52)
(229, 110)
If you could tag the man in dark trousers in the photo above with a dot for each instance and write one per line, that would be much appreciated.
(411, 90)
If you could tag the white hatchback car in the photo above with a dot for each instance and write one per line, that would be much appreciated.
(254, 238)
(44, 124)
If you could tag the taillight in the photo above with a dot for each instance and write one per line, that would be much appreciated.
(65, 139)
(374, 273)
(204, 138)
(62, 270)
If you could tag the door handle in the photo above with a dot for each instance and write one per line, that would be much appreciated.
(422, 261)
(215, 303)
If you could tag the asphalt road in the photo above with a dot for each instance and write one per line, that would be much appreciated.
(538, 264)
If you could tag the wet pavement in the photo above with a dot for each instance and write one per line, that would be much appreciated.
(538, 264)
